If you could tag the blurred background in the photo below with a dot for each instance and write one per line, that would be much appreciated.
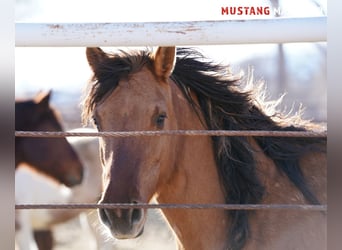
(298, 70)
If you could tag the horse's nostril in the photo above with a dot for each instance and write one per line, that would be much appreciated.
(72, 180)
(130, 215)
(104, 217)
(136, 215)
(123, 223)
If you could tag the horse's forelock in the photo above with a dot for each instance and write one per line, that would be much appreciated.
(107, 76)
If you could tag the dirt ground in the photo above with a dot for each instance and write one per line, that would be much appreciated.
(78, 234)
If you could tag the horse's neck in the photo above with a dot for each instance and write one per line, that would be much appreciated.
(195, 180)
(313, 167)
(283, 225)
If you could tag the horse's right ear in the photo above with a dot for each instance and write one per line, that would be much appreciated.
(164, 60)
(95, 57)
(43, 99)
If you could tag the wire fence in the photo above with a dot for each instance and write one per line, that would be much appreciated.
(263, 133)
(299, 207)
(176, 206)
(179, 33)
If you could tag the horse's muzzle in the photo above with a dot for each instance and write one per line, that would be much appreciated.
(73, 180)
(124, 223)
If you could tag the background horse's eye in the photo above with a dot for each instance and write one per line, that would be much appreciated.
(160, 119)
(95, 122)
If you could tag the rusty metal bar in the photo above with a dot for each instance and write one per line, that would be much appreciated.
(277, 30)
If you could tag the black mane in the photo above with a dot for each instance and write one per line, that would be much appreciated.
(225, 107)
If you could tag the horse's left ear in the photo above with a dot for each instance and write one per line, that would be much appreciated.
(95, 57)
(43, 99)
(164, 61)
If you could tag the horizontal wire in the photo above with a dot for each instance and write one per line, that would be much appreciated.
(174, 206)
(175, 132)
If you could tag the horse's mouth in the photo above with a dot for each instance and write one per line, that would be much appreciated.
(124, 223)
(120, 236)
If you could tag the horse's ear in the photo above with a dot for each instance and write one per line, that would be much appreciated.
(95, 57)
(43, 99)
(164, 61)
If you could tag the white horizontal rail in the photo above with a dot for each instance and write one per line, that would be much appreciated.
(278, 30)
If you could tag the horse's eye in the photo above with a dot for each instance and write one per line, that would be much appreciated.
(95, 122)
(160, 119)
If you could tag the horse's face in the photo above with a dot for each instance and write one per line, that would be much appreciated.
(133, 167)
(53, 156)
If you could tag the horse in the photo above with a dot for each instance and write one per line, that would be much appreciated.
(52, 156)
(181, 89)
(32, 187)
(36, 226)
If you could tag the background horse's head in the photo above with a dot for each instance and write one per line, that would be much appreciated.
(52, 156)
(131, 93)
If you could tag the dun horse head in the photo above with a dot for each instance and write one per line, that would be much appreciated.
(133, 166)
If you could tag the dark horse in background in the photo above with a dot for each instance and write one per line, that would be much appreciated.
(52, 156)
(165, 90)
